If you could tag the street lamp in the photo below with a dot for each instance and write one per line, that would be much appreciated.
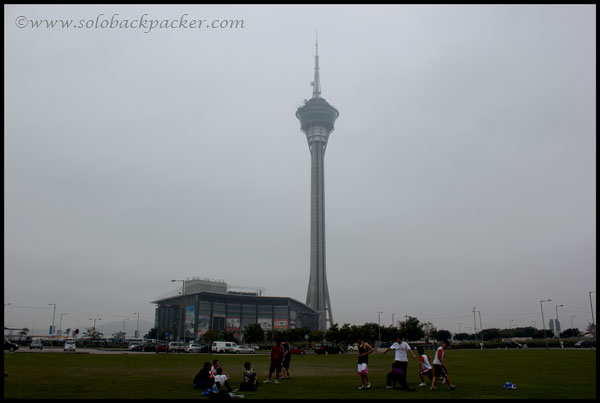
(557, 326)
(379, 326)
(543, 322)
(60, 322)
(481, 327)
(137, 329)
(53, 313)
(592, 308)
(572, 316)
(475, 327)
(182, 312)
(95, 323)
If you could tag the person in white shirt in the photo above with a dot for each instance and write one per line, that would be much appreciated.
(426, 368)
(439, 366)
(222, 380)
(401, 355)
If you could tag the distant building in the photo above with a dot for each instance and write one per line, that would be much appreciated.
(213, 305)
(554, 326)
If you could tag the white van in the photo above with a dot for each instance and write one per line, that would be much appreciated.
(70, 345)
(222, 346)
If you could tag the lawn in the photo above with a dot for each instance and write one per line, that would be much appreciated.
(538, 374)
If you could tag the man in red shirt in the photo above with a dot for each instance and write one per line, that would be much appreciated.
(276, 357)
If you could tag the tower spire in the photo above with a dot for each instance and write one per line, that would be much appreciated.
(317, 81)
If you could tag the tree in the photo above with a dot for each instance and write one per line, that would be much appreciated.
(23, 332)
(570, 333)
(157, 333)
(591, 329)
(333, 333)
(92, 334)
(463, 336)
(253, 333)
(68, 331)
(490, 334)
(442, 335)
(412, 329)
(429, 330)
(316, 335)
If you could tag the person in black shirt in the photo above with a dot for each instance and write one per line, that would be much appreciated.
(285, 364)
(203, 380)
(364, 349)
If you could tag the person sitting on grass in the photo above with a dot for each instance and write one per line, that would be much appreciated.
(394, 375)
(250, 382)
(203, 380)
(222, 380)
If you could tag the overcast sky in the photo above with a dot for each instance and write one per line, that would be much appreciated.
(461, 172)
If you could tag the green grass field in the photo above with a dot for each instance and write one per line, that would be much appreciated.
(538, 374)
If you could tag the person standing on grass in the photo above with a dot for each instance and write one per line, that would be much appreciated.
(364, 349)
(276, 358)
(401, 356)
(285, 363)
(439, 366)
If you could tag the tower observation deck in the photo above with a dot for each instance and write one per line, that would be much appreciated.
(317, 118)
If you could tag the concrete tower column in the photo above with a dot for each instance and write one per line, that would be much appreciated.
(317, 119)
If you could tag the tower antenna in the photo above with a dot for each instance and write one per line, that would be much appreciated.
(317, 81)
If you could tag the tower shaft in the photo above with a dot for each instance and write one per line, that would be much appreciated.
(318, 292)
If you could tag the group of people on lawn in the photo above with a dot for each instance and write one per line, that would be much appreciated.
(213, 377)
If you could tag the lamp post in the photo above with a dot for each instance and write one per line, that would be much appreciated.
(53, 314)
(60, 323)
(557, 326)
(592, 308)
(180, 335)
(459, 326)
(510, 325)
(94, 335)
(572, 316)
(543, 322)
(137, 329)
(475, 327)
(481, 328)
(379, 326)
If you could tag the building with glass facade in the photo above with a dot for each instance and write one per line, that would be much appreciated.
(210, 305)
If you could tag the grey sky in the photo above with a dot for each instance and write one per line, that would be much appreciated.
(461, 171)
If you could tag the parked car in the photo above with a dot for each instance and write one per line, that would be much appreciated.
(327, 347)
(585, 344)
(241, 350)
(296, 350)
(254, 346)
(134, 346)
(511, 344)
(161, 347)
(70, 345)
(352, 347)
(37, 343)
(177, 347)
(196, 348)
(10, 346)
